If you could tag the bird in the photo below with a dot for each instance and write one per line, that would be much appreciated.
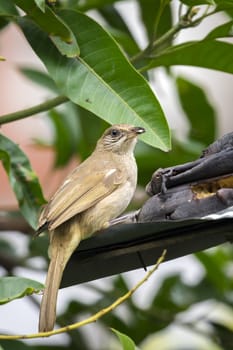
(95, 192)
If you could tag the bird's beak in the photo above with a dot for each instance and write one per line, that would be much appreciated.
(138, 130)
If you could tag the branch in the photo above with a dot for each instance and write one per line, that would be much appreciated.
(94, 317)
(24, 113)
(185, 21)
(152, 46)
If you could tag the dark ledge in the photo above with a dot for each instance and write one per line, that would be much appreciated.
(126, 247)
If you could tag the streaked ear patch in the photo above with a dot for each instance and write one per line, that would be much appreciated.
(113, 135)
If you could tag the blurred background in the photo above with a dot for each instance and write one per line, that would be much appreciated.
(189, 299)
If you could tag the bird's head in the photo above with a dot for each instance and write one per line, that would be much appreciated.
(120, 138)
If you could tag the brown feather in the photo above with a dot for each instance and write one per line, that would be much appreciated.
(72, 200)
(63, 242)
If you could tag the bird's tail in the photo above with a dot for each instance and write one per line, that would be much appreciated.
(63, 242)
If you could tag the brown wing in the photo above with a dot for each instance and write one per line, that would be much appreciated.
(75, 196)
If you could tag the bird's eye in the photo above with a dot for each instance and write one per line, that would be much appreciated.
(115, 132)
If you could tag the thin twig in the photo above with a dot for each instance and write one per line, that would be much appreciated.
(204, 16)
(24, 113)
(94, 317)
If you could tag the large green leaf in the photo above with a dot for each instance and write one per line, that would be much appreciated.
(101, 79)
(17, 287)
(210, 54)
(22, 179)
(200, 113)
(59, 32)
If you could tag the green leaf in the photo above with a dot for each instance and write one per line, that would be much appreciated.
(126, 342)
(17, 287)
(88, 136)
(7, 11)
(215, 272)
(22, 179)
(101, 80)
(223, 3)
(165, 296)
(210, 54)
(92, 4)
(119, 29)
(225, 6)
(65, 136)
(14, 344)
(39, 246)
(224, 334)
(114, 19)
(198, 2)
(7, 8)
(126, 42)
(59, 32)
(73, 135)
(223, 31)
(156, 17)
(40, 4)
(39, 77)
(7, 248)
(200, 113)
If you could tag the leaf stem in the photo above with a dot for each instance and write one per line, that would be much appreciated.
(24, 113)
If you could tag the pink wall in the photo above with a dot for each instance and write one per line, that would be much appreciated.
(16, 93)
